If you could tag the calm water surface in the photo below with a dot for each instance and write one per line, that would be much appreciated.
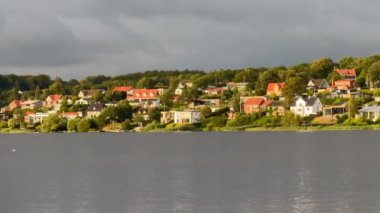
(190, 172)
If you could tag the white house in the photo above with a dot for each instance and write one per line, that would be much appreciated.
(182, 85)
(187, 117)
(306, 106)
(371, 113)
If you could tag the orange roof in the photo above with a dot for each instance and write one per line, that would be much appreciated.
(17, 103)
(29, 113)
(255, 101)
(122, 89)
(347, 72)
(271, 86)
(55, 97)
(144, 94)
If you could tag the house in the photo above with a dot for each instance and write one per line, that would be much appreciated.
(214, 91)
(145, 98)
(167, 116)
(126, 89)
(212, 103)
(241, 86)
(334, 110)
(38, 117)
(181, 86)
(371, 113)
(95, 109)
(306, 106)
(82, 102)
(88, 94)
(15, 104)
(69, 115)
(256, 104)
(317, 85)
(53, 100)
(347, 73)
(344, 84)
(31, 104)
(276, 108)
(187, 117)
(275, 89)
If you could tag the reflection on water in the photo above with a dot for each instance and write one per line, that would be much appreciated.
(191, 172)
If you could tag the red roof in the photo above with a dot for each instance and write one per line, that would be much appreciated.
(69, 113)
(29, 113)
(144, 94)
(255, 101)
(347, 72)
(16, 103)
(122, 89)
(55, 97)
(267, 102)
(271, 86)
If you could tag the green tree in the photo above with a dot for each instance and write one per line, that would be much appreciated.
(321, 68)
(14, 123)
(53, 123)
(206, 112)
(292, 87)
(374, 73)
(72, 125)
(352, 108)
(154, 114)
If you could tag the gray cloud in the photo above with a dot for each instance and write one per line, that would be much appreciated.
(75, 38)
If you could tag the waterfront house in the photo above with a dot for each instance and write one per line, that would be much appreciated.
(95, 109)
(187, 117)
(306, 106)
(256, 104)
(31, 104)
(70, 115)
(275, 108)
(126, 89)
(181, 86)
(15, 104)
(145, 98)
(371, 113)
(334, 110)
(240, 86)
(53, 100)
(317, 85)
(89, 94)
(166, 117)
(275, 89)
(347, 73)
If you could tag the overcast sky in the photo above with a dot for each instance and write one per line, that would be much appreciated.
(76, 38)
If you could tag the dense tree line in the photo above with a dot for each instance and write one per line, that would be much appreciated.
(40, 86)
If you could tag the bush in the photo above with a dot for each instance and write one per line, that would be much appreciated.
(3, 124)
(83, 125)
(13, 123)
(127, 125)
(72, 125)
(356, 122)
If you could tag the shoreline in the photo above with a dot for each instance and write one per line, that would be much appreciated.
(254, 129)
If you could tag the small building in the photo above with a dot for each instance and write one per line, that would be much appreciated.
(344, 85)
(187, 117)
(53, 100)
(69, 115)
(15, 104)
(212, 103)
(38, 117)
(181, 86)
(256, 104)
(88, 94)
(276, 108)
(334, 110)
(146, 98)
(275, 89)
(31, 104)
(347, 73)
(371, 113)
(167, 116)
(214, 91)
(317, 85)
(306, 106)
(95, 109)
(240, 86)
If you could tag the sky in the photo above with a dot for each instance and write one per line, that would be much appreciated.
(77, 38)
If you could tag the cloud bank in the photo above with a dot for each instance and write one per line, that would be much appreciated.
(76, 38)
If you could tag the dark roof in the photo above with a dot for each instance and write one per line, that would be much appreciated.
(317, 82)
(98, 106)
(276, 104)
(309, 101)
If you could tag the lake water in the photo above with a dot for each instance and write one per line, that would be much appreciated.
(190, 172)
